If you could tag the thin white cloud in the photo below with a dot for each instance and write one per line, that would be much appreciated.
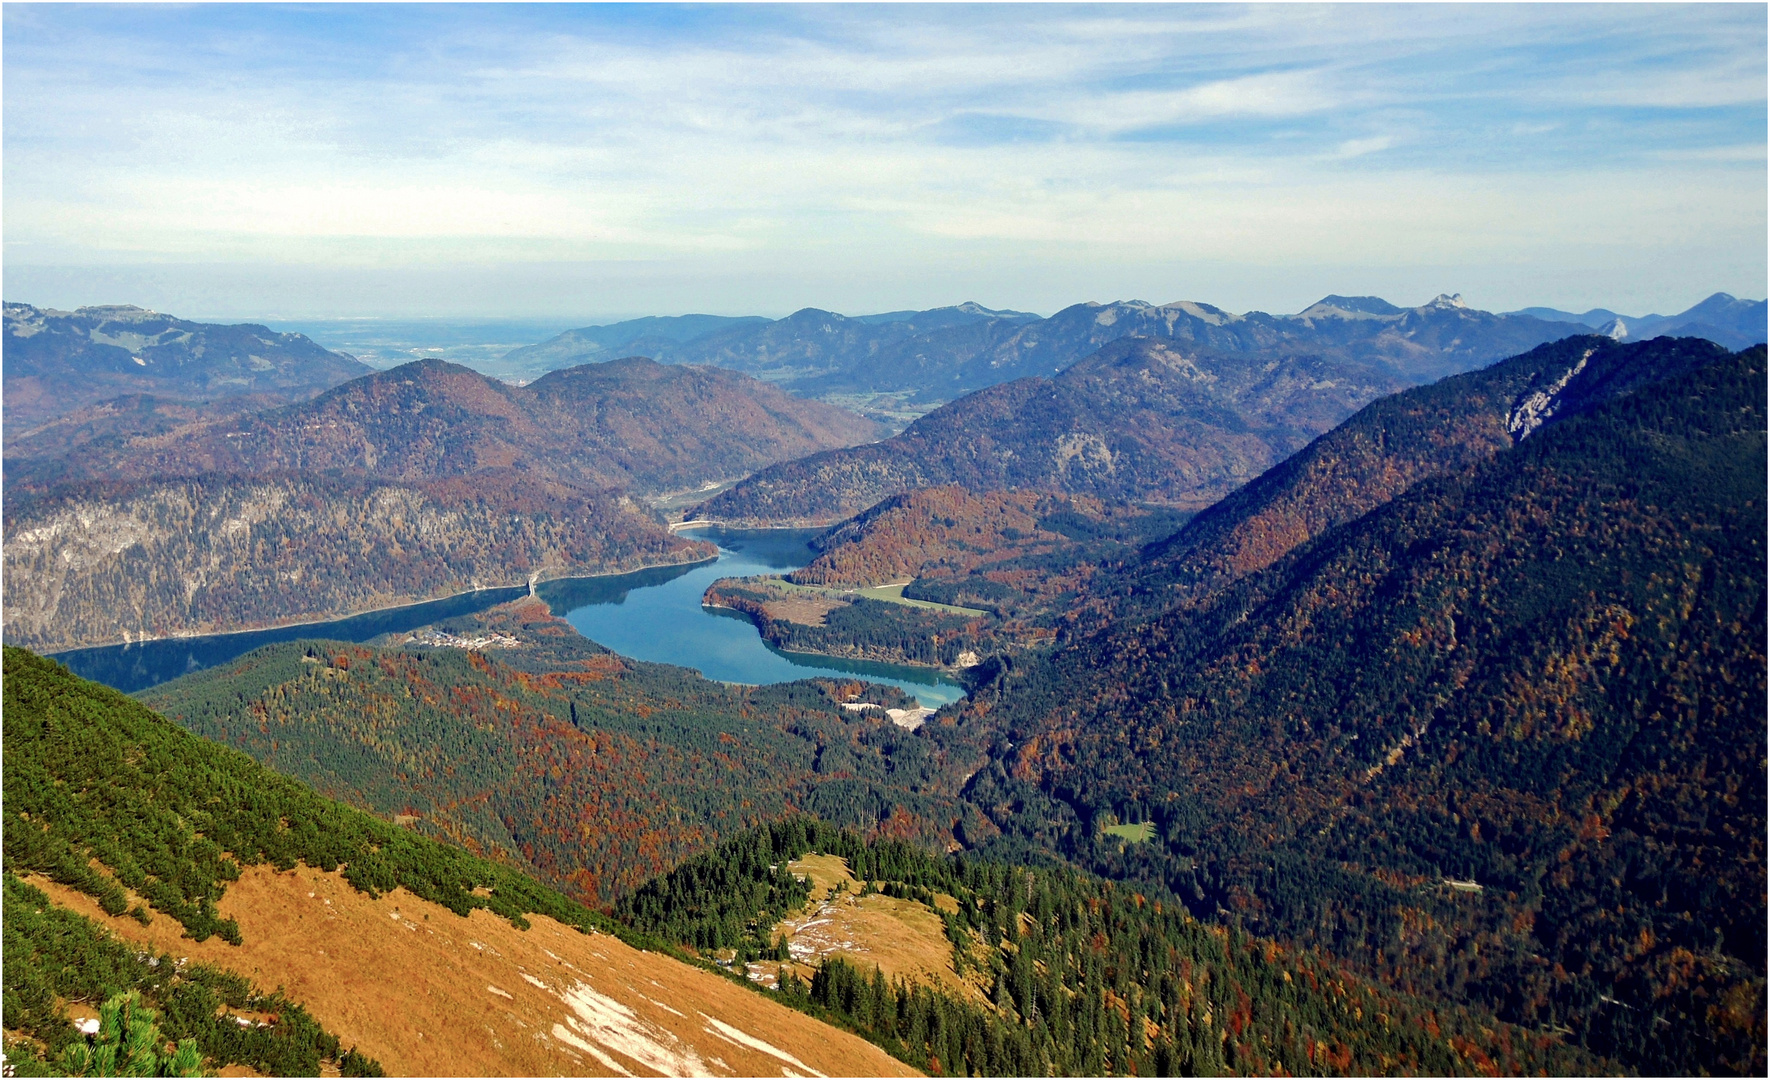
(1353, 148)
(1254, 134)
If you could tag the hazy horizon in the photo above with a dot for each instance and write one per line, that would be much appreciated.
(578, 165)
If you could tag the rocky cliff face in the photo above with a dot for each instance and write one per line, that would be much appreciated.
(211, 554)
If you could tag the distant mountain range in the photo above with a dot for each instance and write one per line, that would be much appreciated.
(1721, 318)
(934, 356)
(57, 361)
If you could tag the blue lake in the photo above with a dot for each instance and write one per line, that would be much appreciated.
(648, 615)
(666, 623)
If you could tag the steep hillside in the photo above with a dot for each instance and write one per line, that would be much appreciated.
(1500, 739)
(103, 563)
(592, 771)
(629, 424)
(426, 958)
(1392, 444)
(1140, 420)
(58, 361)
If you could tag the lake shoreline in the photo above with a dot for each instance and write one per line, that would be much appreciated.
(197, 635)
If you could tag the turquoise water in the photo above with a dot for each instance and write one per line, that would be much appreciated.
(648, 615)
(661, 619)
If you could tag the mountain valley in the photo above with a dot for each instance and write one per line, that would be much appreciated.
(1300, 695)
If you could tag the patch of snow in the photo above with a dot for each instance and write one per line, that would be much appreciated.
(564, 1036)
(620, 1029)
(500, 993)
(726, 1031)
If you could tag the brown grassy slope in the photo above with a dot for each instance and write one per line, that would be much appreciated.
(428, 993)
(902, 938)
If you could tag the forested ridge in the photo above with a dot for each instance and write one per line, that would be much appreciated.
(1080, 976)
(1158, 421)
(592, 771)
(628, 424)
(1542, 676)
(1442, 429)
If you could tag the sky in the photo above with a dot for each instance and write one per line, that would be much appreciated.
(594, 162)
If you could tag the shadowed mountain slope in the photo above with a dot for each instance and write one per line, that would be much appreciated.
(1500, 738)
(1395, 442)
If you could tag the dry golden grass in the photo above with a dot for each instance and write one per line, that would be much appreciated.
(903, 938)
(429, 993)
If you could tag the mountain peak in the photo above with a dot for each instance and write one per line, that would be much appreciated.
(1348, 307)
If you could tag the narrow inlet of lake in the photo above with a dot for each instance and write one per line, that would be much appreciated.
(665, 622)
(651, 615)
